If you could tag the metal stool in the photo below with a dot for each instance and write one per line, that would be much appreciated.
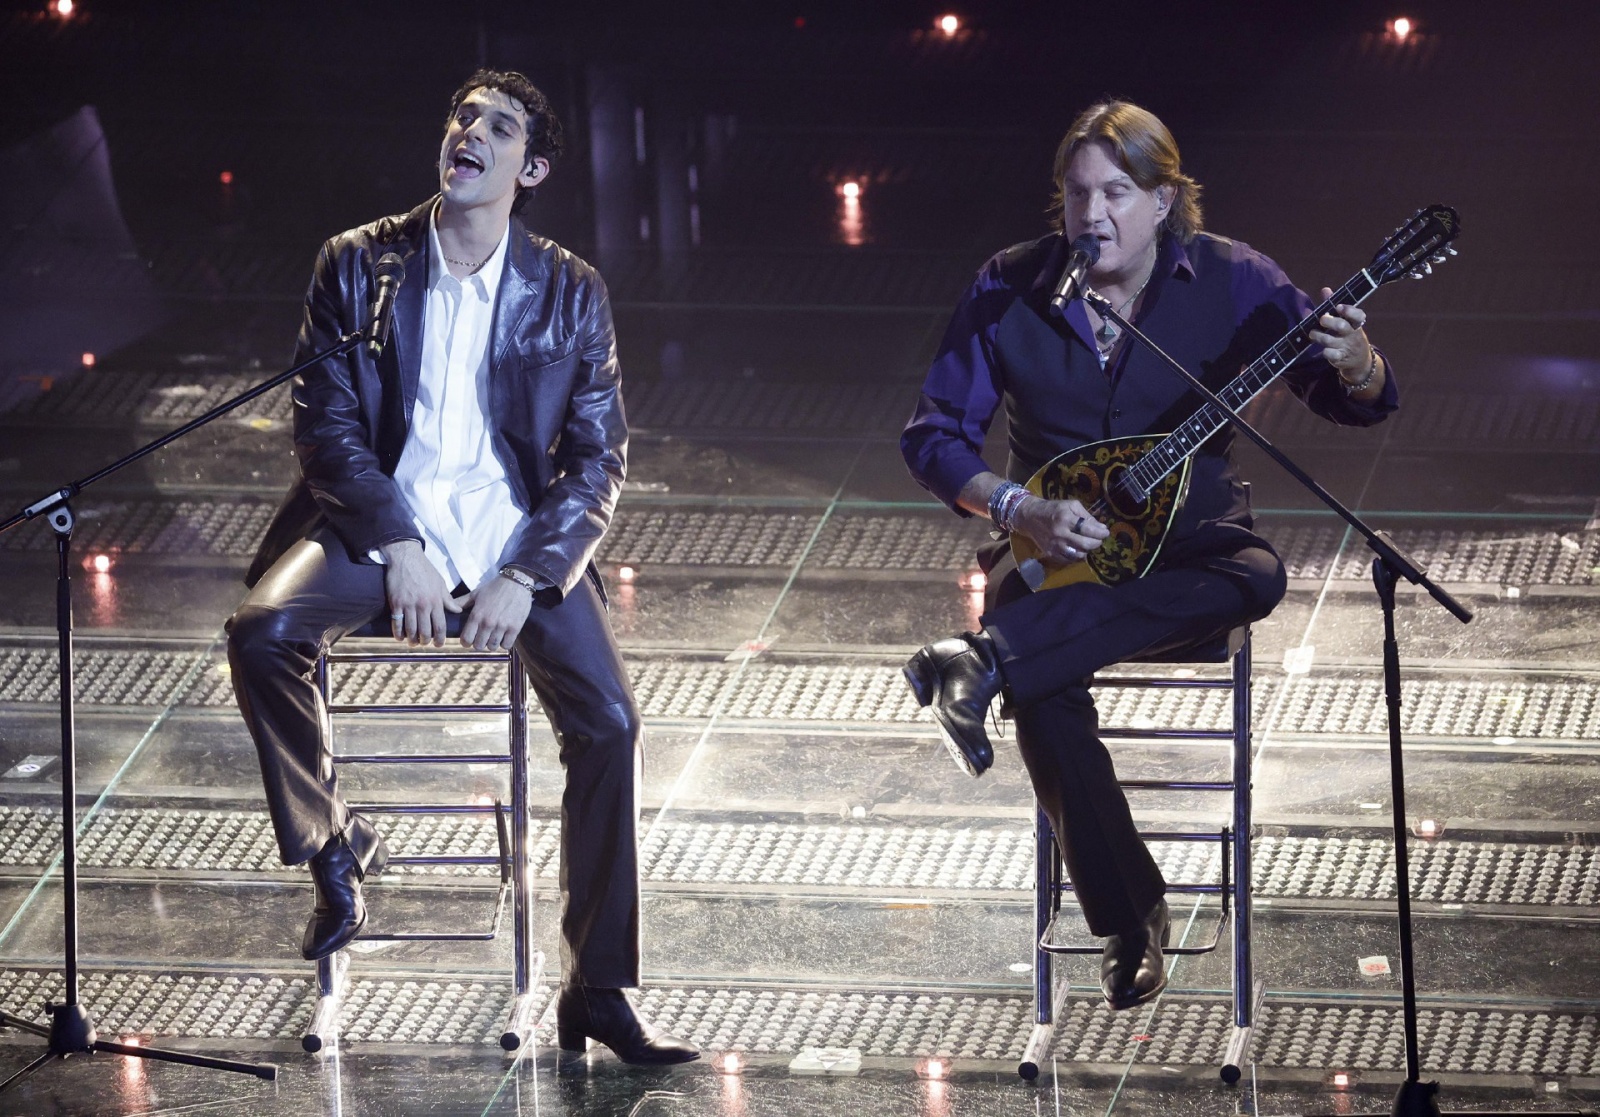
(1233, 889)
(512, 858)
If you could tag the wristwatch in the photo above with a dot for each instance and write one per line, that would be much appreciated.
(527, 581)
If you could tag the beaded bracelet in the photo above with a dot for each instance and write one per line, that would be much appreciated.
(1372, 371)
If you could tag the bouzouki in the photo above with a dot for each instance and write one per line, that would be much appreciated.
(1136, 485)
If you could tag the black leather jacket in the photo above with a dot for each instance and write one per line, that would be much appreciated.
(555, 402)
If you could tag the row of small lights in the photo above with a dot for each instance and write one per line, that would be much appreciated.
(1400, 28)
(949, 23)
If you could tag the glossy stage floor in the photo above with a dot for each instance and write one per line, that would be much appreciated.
(818, 874)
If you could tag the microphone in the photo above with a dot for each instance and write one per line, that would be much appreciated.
(390, 273)
(1085, 253)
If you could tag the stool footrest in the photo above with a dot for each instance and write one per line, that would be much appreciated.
(504, 861)
(422, 708)
(431, 936)
(423, 808)
(422, 758)
(1060, 948)
(1125, 733)
(450, 936)
(1175, 785)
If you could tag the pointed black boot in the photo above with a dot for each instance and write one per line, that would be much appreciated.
(337, 871)
(1132, 970)
(608, 1016)
(958, 678)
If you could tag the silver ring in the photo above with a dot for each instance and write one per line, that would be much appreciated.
(397, 616)
(1077, 526)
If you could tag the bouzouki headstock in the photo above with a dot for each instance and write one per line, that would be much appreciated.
(1417, 245)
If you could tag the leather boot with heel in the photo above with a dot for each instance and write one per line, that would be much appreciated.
(337, 871)
(608, 1016)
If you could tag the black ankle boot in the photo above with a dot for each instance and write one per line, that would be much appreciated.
(337, 871)
(608, 1016)
(957, 679)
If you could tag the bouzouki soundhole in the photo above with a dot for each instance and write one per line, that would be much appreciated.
(1124, 495)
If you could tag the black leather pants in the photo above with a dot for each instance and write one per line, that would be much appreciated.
(1049, 643)
(314, 595)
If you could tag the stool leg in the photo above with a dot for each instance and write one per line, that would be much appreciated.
(333, 975)
(1246, 994)
(1044, 860)
(1046, 1000)
(526, 962)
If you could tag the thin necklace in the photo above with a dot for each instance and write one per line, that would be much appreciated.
(1107, 333)
(485, 260)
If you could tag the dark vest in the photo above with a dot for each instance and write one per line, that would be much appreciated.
(1057, 397)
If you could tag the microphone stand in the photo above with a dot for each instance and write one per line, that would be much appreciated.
(1415, 1098)
(72, 1029)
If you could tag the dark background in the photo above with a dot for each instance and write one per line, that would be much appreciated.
(1313, 128)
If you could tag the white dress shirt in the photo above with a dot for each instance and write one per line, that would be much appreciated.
(449, 472)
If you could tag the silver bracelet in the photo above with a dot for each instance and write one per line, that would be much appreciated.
(517, 576)
(1004, 502)
(1372, 371)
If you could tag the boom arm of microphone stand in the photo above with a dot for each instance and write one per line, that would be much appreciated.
(1381, 544)
(46, 504)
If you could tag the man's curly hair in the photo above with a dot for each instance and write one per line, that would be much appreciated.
(544, 128)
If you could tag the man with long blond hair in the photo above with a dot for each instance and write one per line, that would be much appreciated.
(1073, 379)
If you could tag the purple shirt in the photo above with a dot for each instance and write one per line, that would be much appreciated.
(1215, 305)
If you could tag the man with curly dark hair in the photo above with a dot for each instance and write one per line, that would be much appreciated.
(472, 468)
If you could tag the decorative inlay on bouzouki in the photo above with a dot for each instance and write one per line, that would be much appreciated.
(1135, 485)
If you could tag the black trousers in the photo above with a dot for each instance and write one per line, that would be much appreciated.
(314, 595)
(1051, 642)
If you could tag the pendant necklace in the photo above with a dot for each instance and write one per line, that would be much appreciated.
(1107, 333)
